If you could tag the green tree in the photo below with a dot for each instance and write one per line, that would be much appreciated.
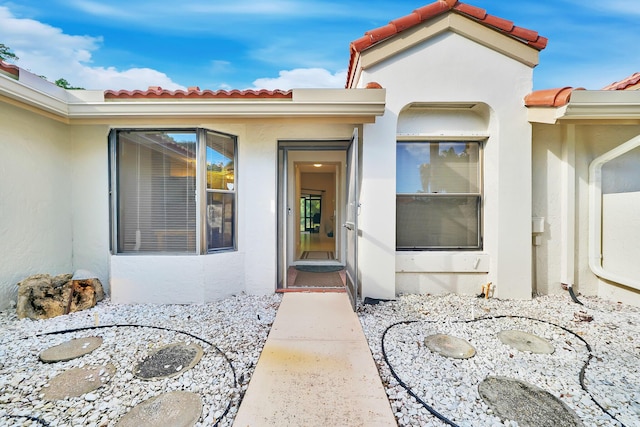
(6, 54)
(63, 83)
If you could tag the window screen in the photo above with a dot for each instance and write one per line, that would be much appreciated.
(438, 201)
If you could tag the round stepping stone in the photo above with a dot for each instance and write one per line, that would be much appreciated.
(70, 349)
(169, 361)
(449, 346)
(174, 409)
(78, 381)
(525, 341)
(525, 403)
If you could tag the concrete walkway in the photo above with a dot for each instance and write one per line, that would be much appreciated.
(316, 369)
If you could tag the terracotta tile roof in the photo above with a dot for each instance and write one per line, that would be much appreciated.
(372, 37)
(549, 97)
(9, 69)
(630, 83)
(156, 92)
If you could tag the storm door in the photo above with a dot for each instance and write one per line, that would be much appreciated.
(351, 223)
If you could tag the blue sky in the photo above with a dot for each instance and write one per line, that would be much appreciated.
(243, 44)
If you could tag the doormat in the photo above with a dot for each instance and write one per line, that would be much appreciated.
(317, 255)
(306, 279)
(319, 268)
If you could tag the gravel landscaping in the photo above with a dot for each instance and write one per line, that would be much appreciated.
(424, 387)
(449, 387)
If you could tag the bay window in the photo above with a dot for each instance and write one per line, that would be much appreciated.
(156, 191)
(439, 195)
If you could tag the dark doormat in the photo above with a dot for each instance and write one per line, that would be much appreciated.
(319, 268)
(307, 279)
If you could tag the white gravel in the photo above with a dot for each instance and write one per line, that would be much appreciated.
(239, 326)
(450, 386)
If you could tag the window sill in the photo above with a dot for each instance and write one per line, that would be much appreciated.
(442, 262)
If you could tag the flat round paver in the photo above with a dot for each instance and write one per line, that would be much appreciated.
(525, 341)
(449, 346)
(70, 349)
(78, 381)
(169, 361)
(528, 405)
(174, 409)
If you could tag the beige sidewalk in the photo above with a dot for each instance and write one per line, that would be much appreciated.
(315, 369)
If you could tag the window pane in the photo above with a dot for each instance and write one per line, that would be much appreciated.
(220, 161)
(437, 222)
(156, 191)
(438, 167)
(220, 220)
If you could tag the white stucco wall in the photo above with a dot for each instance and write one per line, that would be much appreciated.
(449, 69)
(35, 198)
(591, 141)
(253, 267)
(90, 200)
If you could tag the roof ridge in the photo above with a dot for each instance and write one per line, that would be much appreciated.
(195, 92)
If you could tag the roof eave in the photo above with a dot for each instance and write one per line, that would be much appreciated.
(360, 105)
(592, 106)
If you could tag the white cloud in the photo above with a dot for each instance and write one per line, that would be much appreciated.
(303, 78)
(47, 51)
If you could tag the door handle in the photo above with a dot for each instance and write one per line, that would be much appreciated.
(349, 226)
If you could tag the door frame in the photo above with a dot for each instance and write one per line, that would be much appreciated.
(290, 152)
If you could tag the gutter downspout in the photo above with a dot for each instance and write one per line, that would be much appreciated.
(595, 214)
(568, 210)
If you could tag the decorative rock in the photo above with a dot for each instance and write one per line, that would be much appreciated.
(169, 361)
(449, 346)
(528, 405)
(70, 350)
(78, 381)
(582, 316)
(174, 409)
(42, 296)
(525, 341)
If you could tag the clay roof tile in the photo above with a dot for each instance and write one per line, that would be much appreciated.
(557, 97)
(406, 21)
(471, 11)
(155, 92)
(625, 84)
(431, 10)
(382, 33)
(9, 69)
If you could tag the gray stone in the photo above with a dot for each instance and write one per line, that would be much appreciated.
(43, 296)
(77, 381)
(70, 349)
(449, 346)
(528, 405)
(174, 409)
(525, 341)
(169, 361)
